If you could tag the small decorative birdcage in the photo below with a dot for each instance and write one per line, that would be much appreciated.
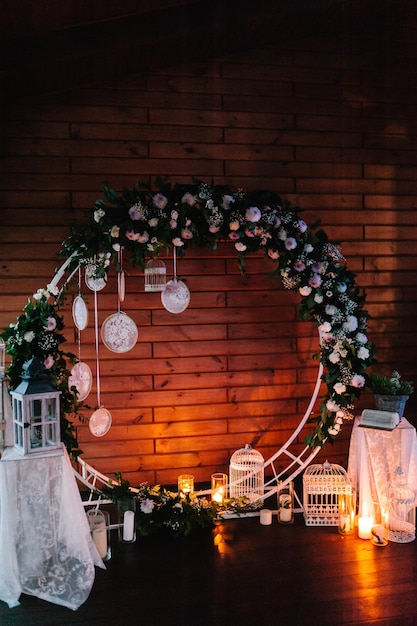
(155, 275)
(402, 511)
(246, 474)
(322, 487)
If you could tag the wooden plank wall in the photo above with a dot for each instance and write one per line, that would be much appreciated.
(329, 123)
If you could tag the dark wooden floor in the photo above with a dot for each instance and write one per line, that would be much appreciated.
(242, 573)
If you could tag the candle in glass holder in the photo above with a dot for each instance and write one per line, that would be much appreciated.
(218, 487)
(285, 502)
(185, 484)
(365, 527)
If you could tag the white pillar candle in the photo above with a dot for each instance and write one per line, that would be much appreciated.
(265, 517)
(364, 527)
(100, 540)
(128, 526)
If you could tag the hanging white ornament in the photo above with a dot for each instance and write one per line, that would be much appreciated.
(155, 275)
(119, 332)
(100, 422)
(176, 295)
(79, 312)
(92, 281)
(81, 378)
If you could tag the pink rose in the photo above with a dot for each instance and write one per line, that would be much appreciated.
(48, 362)
(315, 281)
(160, 201)
(50, 323)
(299, 266)
(290, 243)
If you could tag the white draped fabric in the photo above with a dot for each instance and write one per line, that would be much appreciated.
(45, 545)
(374, 455)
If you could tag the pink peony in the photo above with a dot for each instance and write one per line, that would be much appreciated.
(290, 243)
(315, 281)
(253, 214)
(50, 323)
(160, 201)
(48, 362)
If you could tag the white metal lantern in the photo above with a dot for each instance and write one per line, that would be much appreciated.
(246, 474)
(402, 509)
(323, 486)
(155, 275)
(36, 414)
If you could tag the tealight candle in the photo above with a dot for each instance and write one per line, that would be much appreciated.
(185, 484)
(365, 527)
(218, 487)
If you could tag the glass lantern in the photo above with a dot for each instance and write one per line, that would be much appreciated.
(36, 412)
(402, 511)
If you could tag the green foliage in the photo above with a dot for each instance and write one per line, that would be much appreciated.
(144, 221)
(37, 333)
(390, 385)
(159, 510)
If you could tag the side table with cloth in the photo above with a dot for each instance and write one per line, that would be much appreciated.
(374, 455)
(45, 545)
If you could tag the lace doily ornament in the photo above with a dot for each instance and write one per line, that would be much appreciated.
(176, 296)
(79, 313)
(100, 422)
(92, 282)
(81, 378)
(119, 332)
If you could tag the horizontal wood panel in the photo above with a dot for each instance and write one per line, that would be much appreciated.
(318, 120)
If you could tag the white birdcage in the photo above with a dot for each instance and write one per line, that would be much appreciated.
(322, 487)
(246, 474)
(402, 509)
(155, 275)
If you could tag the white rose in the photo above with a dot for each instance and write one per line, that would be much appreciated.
(351, 323)
(363, 353)
(339, 388)
(361, 338)
(357, 381)
(334, 357)
(29, 336)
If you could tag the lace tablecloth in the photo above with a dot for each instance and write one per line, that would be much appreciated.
(45, 545)
(374, 455)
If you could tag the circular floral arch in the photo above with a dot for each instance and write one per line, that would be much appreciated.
(144, 221)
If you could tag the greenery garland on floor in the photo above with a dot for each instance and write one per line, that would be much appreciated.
(144, 221)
